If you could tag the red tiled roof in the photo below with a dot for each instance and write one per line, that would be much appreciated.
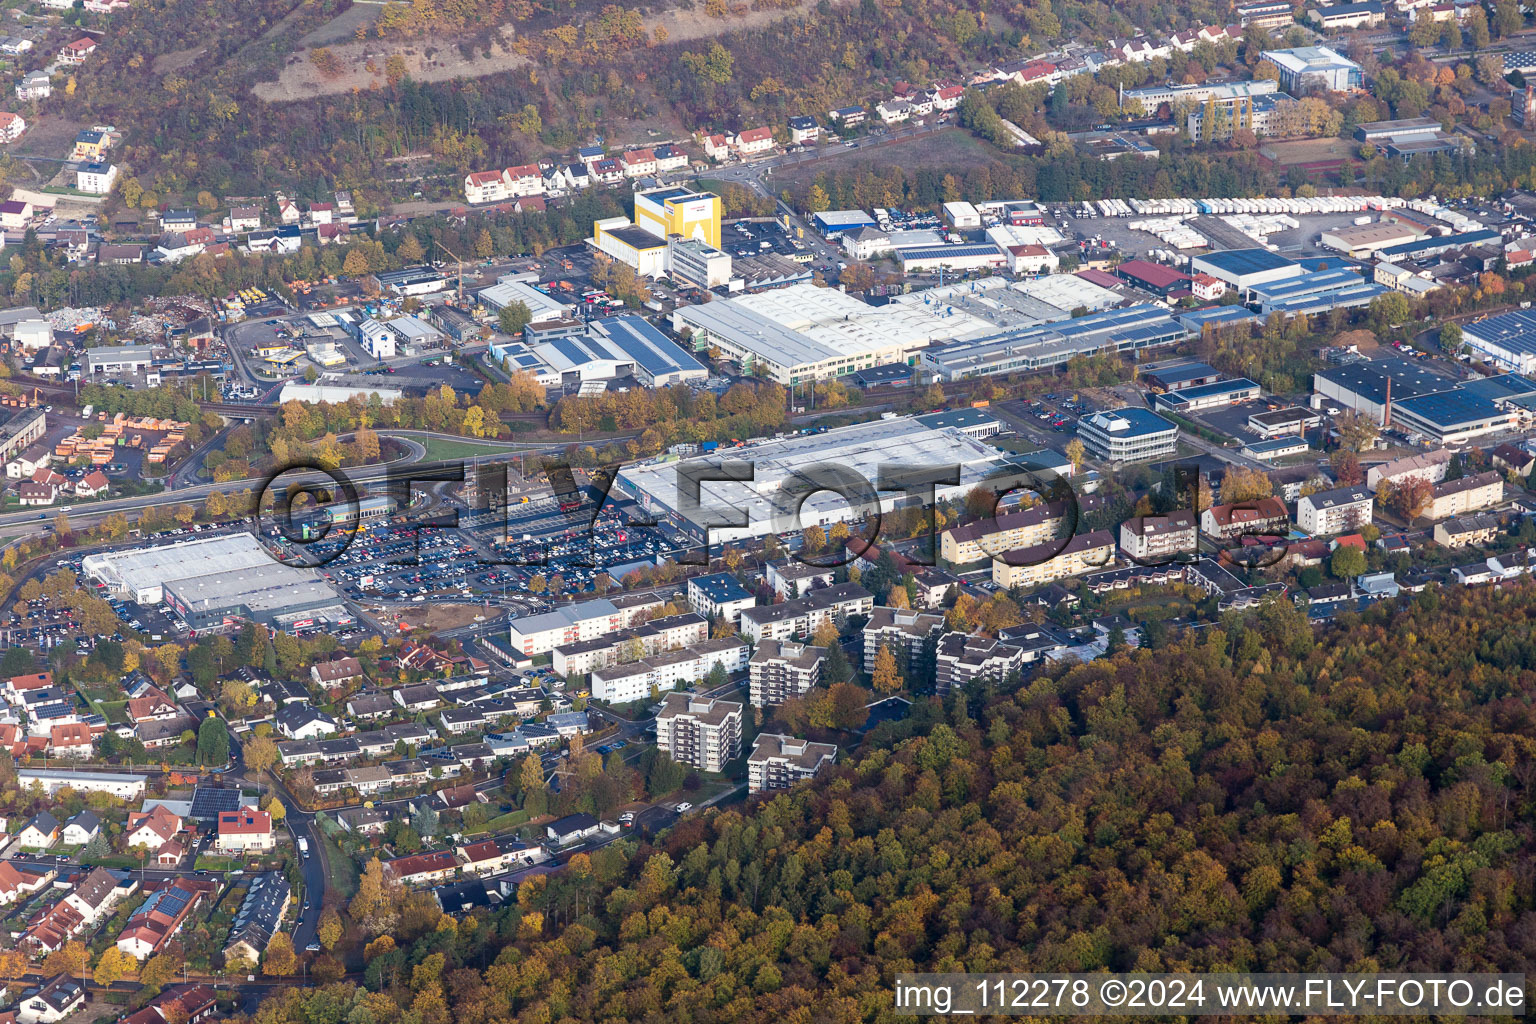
(246, 821)
(755, 135)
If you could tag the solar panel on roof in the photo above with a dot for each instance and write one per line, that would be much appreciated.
(208, 803)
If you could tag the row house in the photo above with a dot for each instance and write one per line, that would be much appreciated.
(1215, 35)
(499, 186)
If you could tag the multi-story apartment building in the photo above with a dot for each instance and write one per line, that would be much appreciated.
(635, 680)
(1470, 493)
(1159, 538)
(668, 633)
(989, 537)
(1340, 510)
(1429, 466)
(1225, 522)
(781, 670)
(1053, 560)
(902, 630)
(778, 761)
(801, 616)
(702, 732)
(718, 595)
(792, 578)
(962, 658)
(540, 634)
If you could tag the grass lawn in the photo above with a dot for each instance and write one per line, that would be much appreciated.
(115, 711)
(214, 862)
(439, 449)
(341, 870)
(121, 861)
(506, 822)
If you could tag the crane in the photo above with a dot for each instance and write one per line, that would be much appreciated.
(460, 259)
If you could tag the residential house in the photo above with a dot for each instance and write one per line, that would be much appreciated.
(55, 999)
(572, 828)
(638, 163)
(153, 707)
(754, 141)
(336, 675)
(11, 126)
(716, 147)
(260, 917)
(1464, 531)
(152, 829)
(40, 832)
(1157, 539)
(72, 739)
(81, 829)
(496, 856)
(803, 130)
(78, 51)
(159, 918)
(303, 722)
(93, 483)
(670, 158)
(245, 218)
(35, 85)
(1513, 459)
(422, 868)
(365, 707)
(1261, 517)
(363, 821)
(16, 882)
(96, 177)
(244, 831)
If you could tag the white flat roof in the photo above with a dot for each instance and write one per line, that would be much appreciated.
(146, 568)
(861, 448)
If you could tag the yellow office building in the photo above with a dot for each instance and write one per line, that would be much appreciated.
(680, 211)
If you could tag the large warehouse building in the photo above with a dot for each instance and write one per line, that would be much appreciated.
(862, 448)
(276, 595)
(138, 575)
(1507, 340)
(1245, 268)
(1036, 348)
(216, 581)
(803, 333)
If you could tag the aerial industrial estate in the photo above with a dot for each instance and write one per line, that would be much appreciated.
(606, 542)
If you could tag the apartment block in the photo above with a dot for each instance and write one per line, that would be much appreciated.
(1340, 510)
(902, 630)
(1470, 493)
(778, 761)
(801, 616)
(963, 658)
(1159, 538)
(1054, 560)
(702, 732)
(780, 670)
(668, 633)
(665, 670)
(989, 537)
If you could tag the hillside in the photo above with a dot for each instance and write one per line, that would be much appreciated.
(1247, 798)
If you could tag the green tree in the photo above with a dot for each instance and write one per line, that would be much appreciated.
(1347, 562)
(514, 316)
(212, 742)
